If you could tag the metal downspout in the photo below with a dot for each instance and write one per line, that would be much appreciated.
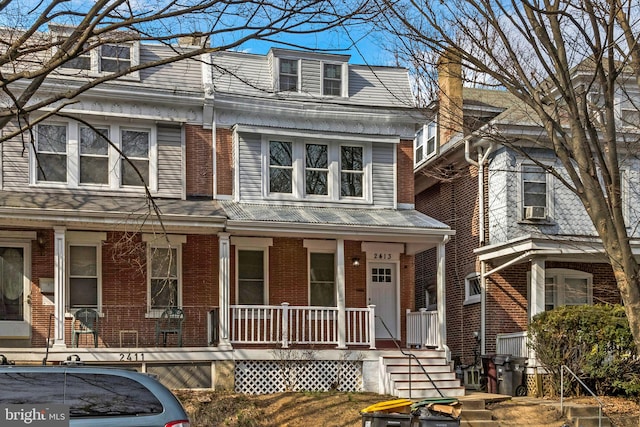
(482, 158)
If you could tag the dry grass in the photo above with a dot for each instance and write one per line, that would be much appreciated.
(335, 409)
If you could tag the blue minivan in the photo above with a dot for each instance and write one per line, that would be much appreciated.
(85, 396)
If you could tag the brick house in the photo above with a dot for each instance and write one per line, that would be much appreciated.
(286, 226)
(523, 242)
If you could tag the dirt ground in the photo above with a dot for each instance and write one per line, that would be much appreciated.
(334, 409)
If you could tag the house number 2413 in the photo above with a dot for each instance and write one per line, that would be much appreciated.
(382, 256)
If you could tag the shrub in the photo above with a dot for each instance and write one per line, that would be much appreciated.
(595, 342)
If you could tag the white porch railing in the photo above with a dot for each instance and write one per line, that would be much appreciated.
(285, 325)
(422, 328)
(514, 344)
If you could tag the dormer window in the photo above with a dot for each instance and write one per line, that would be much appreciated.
(288, 75)
(425, 144)
(332, 79)
(115, 57)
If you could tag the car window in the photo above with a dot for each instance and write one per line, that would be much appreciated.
(90, 395)
(31, 388)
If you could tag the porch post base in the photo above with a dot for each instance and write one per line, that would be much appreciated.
(59, 344)
(224, 346)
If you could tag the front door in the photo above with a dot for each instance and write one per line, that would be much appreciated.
(14, 291)
(383, 293)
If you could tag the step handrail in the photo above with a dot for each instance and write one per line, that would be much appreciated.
(600, 403)
(410, 355)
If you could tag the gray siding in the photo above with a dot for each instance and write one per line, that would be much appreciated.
(383, 175)
(311, 77)
(170, 180)
(15, 163)
(250, 153)
(185, 75)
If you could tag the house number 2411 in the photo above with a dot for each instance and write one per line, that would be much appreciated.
(382, 256)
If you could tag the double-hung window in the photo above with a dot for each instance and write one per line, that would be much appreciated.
(351, 171)
(83, 276)
(164, 271)
(288, 75)
(94, 155)
(534, 192)
(322, 281)
(425, 143)
(332, 79)
(115, 57)
(280, 167)
(84, 255)
(135, 146)
(51, 148)
(317, 169)
(251, 277)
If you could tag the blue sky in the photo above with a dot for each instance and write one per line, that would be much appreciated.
(368, 47)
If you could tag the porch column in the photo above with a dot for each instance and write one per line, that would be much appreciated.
(340, 297)
(441, 294)
(59, 275)
(536, 292)
(223, 291)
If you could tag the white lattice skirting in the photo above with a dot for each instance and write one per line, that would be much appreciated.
(275, 376)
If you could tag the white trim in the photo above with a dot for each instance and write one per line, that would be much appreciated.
(19, 329)
(77, 237)
(270, 132)
(97, 245)
(160, 240)
(320, 245)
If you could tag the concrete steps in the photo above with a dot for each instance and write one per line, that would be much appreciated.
(474, 414)
(404, 377)
(585, 416)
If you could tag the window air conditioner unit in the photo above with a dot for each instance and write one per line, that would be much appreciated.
(535, 212)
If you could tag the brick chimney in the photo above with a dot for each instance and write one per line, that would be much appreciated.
(450, 118)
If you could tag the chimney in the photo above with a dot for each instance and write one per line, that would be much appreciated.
(450, 116)
(193, 40)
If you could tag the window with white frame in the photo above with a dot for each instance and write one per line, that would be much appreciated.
(251, 277)
(472, 288)
(534, 192)
(94, 155)
(135, 146)
(301, 169)
(72, 154)
(317, 169)
(567, 287)
(288, 75)
(322, 280)
(280, 167)
(351, 171)
(105, 59)
(84, 277)
(164, 286)
(332, 79)
(425, 143)
(51, 149)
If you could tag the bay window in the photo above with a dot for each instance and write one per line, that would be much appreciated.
(76, 155)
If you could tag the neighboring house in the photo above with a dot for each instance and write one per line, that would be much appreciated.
(524, 243)
(287, 225)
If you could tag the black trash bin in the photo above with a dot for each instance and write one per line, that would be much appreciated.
(384, 419)
(428, 419)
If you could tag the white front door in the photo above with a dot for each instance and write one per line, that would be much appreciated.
(383, 293)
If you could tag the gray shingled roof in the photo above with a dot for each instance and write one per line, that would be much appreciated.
(405, 218)
(109, 206)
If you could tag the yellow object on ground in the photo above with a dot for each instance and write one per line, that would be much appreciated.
(397, 405)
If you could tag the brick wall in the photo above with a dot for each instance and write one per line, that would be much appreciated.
(199, 162)
(453, 202)
(405, 172)
(224, 161)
